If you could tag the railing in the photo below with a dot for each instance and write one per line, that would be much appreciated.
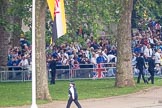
(15, 73)
(90, 71)
(84, 71)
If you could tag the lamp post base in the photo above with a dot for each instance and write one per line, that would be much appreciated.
(34, 106)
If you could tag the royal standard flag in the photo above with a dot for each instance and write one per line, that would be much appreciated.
(51, 5)
(57, 11)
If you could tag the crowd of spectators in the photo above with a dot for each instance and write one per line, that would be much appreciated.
(74, 54)
(19, 57)
(147, 40)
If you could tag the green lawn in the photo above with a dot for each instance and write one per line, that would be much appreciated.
(19, 93)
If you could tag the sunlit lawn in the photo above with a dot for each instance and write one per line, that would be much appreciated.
(19, 93)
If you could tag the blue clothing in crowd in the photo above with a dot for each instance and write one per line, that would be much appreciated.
(137, 50)
(100, 59)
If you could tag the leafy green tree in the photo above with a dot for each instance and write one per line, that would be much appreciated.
(91, 16)
(145, 9)
(12, 13)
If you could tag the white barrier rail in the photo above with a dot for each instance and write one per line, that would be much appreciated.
(15, 73)
(84, 71)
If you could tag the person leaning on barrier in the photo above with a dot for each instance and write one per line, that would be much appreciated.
(101, 58)
(24, 63)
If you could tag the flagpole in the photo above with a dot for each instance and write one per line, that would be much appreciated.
(34, 105)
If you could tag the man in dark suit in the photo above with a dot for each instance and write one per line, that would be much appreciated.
(73, 96)
(52, 66)
(151, 67)
(140, 65)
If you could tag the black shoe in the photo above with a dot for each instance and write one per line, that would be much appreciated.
(52, 83)
(146, 82)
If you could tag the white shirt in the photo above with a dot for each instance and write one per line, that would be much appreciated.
(64, 61)
(105, 55)
(93, 60)
(67, 56)
(148, 52)
(24, 62)
(157, 57)
(110, 57)
(151, 40)
(134, 60)
(72, 92)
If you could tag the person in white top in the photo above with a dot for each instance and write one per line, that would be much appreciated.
(64, 60)
(134, 56)
(157, 61)
(67, 56)
(148, 52)
(111, 58)
(157, 56)
(24, 62)
(93, 59)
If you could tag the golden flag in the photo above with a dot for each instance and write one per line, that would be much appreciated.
(51, 5)
(57, 11)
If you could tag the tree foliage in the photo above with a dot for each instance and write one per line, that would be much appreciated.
(16, 12)
(91, 16)
(145, 9)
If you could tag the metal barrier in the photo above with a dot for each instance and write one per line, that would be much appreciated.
(84, 71)
(62, 72)
(15, 73)
(106, 70)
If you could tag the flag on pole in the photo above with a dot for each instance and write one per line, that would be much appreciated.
(51, 5)
(51, 41)
(58, 17)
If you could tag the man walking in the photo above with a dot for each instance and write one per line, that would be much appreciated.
(73, 96)
(151, 67)
(140, 65)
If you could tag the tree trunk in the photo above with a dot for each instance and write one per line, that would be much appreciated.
(16, 33)
(42, 91)
(124, 76)
(4, 35)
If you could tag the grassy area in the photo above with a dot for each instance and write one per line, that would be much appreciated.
(19, 93)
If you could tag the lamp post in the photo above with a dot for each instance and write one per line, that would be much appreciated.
(34, 105)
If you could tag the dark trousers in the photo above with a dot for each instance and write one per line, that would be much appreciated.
(53, 74)
(151, 77)
(75, 101)
(139, 76)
